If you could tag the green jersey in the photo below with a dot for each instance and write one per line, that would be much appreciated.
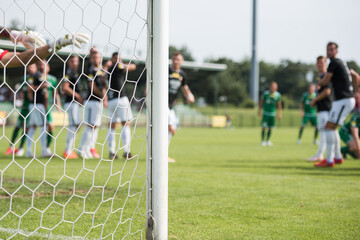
(53, 83)
(309, 111)
(353, 122)
(270, 102)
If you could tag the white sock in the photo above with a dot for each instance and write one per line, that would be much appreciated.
(85, 139)
(169, 138)
(337, 146)
(95, 134)
(70, 139)
(126, 136)
(29, 140)
(330, 145)
(111, 140)
(322, 144)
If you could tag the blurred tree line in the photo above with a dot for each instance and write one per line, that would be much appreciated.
(292, 78)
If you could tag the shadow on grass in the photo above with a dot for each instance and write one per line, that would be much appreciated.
(338, 170)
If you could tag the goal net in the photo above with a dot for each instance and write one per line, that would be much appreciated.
(73, 145)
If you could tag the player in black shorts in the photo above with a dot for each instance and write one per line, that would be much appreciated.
(339, 75)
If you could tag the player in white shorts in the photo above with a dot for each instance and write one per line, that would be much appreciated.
(93, 108)
(73, 99)
(38, 95)
(177, 81)
(339, 75)
(323, 103)
(118, 105)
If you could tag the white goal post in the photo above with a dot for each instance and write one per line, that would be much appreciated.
(87, 172)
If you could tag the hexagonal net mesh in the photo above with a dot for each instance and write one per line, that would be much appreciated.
(73, 140)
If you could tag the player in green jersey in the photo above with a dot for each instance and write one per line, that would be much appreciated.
(31, 71)
(54, 96)
(308, 112)
(270, 101)
(349, 134)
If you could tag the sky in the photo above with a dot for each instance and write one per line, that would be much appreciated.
(287, 29)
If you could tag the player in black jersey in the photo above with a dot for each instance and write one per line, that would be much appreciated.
(73, 99)
(118, 104)
(38, 96)
(177, 81)
(323, 103)
(339, 75)
(93, 107)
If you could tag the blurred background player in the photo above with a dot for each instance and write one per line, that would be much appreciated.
(177, 80)
(339, 75)
(323, 104)
(270, 101)
(38, 95)
(93, 108)
(73, 99)
(53, 96)
(118, 104)
(31, 71)
(308, 112)
(349, 134)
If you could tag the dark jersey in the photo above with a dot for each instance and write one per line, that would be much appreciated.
(117, 81)
(39, 94)
(95, 75)
(176, 80)
(325, 103)
(341, 79)
(72, 77)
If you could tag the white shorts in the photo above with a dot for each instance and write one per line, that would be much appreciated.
(322, 117)
(37, 115)
(119, 110)
(172, 118)
(92, 113)
(72, 109)
(340, 110)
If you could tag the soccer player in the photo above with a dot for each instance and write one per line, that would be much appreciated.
(73, 99)
(29, 39)
(118, 104)
(177, 80)
(93, 108)
(323, 103)
(38, 95)
(44, 69)
(339, 75)
(269, 102)
(349, 134)
(31, 71)
(308, 112)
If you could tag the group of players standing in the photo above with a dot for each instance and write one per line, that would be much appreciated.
(40, 93)
(337, 81)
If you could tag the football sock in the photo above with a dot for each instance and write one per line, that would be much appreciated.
(330, 144)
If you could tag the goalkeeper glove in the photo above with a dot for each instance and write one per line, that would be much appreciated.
(69, 39)
(27, 38)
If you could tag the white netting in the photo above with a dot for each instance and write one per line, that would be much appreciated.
(49, 192)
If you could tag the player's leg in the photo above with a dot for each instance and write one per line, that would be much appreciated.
(45, 151)
(84, 148)
(74, 122)
(316, 130)
(271, 125)
(19, 125)
(338, 113)
(125, 115)
(171, 129)
(50, 128)
(347, 139)
(96, 122)
(264, 125)
(303, 124)
(353, 151)
(323, 117)
(111, 135)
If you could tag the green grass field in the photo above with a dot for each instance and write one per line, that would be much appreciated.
(224, 185)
